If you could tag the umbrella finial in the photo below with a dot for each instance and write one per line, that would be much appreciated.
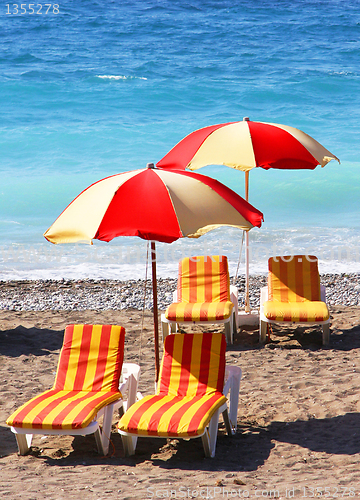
(150, 165)
(246, 119)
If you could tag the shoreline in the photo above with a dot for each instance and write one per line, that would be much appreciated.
(103, 294)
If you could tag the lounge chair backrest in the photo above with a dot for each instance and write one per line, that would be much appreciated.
(294, 278)
(91, 358)
(204, 279)
(193, 364)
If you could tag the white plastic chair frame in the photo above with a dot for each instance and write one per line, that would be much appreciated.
(230, 324)
(264, 321)
(128, 384)
(229, 411)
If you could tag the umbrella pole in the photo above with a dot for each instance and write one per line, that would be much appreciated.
(247, 299)
(155, 309)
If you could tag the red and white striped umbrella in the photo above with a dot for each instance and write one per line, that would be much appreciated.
(155, 205)
(245, 145)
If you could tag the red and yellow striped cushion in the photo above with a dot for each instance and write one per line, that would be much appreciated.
(294, 290)
(294, 278)
(189, 391)
(171, 416)
(203, 290)
(298, 312)
(55, 409)
(203, 311)
(204, 279)
(193, 364)
(87, 379)
(91, 358)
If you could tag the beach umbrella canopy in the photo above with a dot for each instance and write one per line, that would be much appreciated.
(155, 205)
(245, 145)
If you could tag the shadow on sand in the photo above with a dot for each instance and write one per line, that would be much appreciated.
(247, 450)
(296, 337)
(35, 341)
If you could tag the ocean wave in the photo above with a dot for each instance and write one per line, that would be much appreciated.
(338, 251)
(120, 77)
(343, 73)
(11, 222)
(126, 271)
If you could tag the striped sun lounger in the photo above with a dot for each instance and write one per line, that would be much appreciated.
(203, 295)
(87, 381)
(190, 396)
(294, 294)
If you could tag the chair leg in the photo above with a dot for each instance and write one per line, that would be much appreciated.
(326, 334)
(227, 423)
(99, 442)
(234, 325)
(234, 402)
(129, 444)
(209, 438)
(205, 438)
(102, 437)
(228, 335)
(23, 442)
(262, 332)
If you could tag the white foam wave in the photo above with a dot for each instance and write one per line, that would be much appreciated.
(11, 222)
(120, 77)
(338, 251)
(23, 262)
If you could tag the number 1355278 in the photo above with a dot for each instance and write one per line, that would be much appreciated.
(32, 8)
(328, 492)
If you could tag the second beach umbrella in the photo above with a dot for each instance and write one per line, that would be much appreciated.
(155, 205)
(245, 145)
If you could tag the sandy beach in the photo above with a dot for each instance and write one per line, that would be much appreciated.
(298, 429)
(260, 100)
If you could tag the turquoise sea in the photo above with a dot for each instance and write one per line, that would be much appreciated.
(89, 89)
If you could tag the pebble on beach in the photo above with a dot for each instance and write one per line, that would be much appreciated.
(100, 295)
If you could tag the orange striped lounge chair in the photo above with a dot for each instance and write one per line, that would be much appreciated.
(294, 295)
(190, 396)
(90, 382)
(203, 296)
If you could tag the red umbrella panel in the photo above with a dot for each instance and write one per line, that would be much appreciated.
(154, 205)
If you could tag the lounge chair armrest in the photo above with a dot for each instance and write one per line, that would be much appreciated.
(175, 296)
(232, 378)
(264, 293)
(234, 295)
(323, 293)
(129, 382)
(234, 291)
